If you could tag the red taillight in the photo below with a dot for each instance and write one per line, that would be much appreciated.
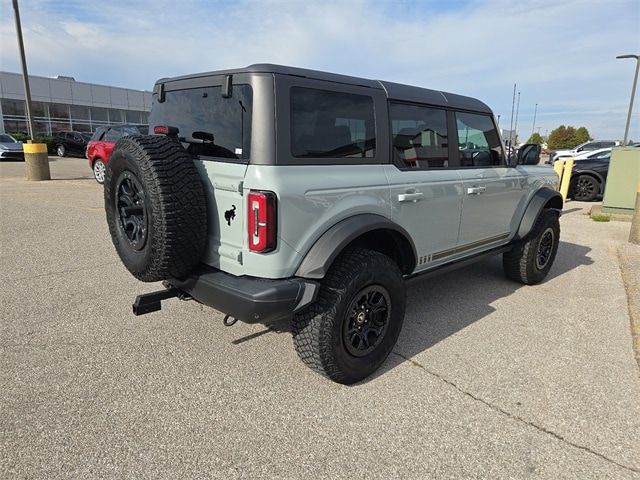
(165, 130)
(262, 222)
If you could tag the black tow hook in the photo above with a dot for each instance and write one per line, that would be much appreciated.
(151, 302)
(229, 321)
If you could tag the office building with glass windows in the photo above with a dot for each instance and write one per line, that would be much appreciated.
(62, 104)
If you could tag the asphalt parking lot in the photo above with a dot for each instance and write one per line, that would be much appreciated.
(489, 379)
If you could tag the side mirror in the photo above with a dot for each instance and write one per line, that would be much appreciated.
(529, 154)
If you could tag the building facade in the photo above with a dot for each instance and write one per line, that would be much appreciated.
(62, 104)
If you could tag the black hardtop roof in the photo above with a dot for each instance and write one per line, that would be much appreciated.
(394, 91)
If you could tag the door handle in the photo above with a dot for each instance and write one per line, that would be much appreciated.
(409, 197)
(476, 190)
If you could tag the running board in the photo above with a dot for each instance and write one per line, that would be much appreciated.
(455, 264)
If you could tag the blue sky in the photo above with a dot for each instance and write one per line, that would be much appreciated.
(560, 53)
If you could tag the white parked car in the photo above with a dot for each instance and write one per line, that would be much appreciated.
(582, 148)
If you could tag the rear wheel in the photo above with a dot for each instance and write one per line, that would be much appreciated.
(99, 169)
(353, 326)
(585, 188)
(61, 151)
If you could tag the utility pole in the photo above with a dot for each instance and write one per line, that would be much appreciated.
(25, 75)
(515, 127)
(535, 113)
(633, 94)
(513, 101)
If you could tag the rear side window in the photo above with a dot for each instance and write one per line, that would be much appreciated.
(328, 124)
(420, 137)
(113, 134)
(209, 124)
(478, 141)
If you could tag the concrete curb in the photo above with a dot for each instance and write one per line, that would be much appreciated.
(629, 261)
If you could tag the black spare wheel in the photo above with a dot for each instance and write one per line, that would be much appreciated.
(156, 208)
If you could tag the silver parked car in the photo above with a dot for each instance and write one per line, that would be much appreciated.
(10, 148)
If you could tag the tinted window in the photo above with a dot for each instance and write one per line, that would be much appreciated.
(478, 141)
(420, 138)
(98, 133)
(331, 124)
(113, 134)
(6, 138)
(222, 126)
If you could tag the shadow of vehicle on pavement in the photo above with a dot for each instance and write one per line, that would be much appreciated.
(438, 307)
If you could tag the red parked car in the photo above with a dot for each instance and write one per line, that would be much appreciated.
(102, 143)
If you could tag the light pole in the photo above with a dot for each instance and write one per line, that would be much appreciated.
(633, 94)
(25, 75)
(535, 113)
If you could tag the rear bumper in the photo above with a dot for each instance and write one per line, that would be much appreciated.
(249, 299)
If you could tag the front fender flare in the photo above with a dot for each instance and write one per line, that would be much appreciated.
(324, 251)
(542, 198)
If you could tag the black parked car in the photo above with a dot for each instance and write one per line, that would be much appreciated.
(71, 143)
(589, 176)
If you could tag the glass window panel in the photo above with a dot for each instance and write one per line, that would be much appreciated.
(60, 127)
(132, 116)
(39, 109)
(99, 114)
(79, 112)
(13, 107)
(225, 122)
(478, 141)
(326, 124)
(116, 116)
(420, 138)
(58, 110)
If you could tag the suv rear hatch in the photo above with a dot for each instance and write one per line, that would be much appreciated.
(216, 131)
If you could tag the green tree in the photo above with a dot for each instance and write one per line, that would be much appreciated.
(581, 136)
(535, 138)
(567, 137)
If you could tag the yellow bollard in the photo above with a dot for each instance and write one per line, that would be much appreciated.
(36, 161)
(566, 177)
(558, 165)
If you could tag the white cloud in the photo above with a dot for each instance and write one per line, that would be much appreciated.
(562, 54)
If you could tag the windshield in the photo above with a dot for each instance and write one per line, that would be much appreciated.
(87, 136)
(209, 124)
(4, 138)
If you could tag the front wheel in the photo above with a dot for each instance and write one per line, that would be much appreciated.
(530, 260)
(353, 326)
(61, 151)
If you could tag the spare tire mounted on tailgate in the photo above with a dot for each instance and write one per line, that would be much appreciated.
(156, 207)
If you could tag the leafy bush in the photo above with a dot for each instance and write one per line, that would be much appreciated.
(46, 139)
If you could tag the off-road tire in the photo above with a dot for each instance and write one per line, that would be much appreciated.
(522, 263)
(318, 329)
(173, 225)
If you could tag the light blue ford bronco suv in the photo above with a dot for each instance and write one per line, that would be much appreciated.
(273, 193)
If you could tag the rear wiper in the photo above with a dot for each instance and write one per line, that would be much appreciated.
(198, 137)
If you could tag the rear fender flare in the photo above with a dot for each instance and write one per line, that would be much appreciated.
(324, 251)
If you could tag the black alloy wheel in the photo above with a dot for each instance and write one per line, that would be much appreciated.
(131, 209)
(367, 320)
(585, 188)
(545, 248)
